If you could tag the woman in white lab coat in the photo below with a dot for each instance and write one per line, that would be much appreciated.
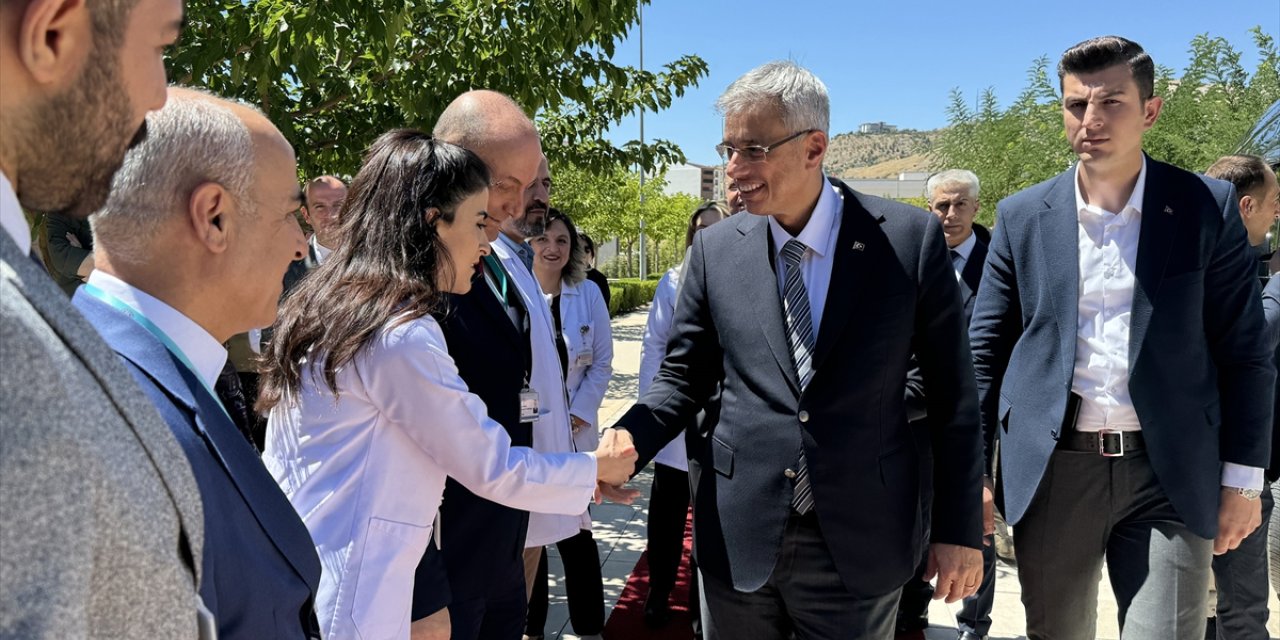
(585, 344)
(367, 413)
(669, 497)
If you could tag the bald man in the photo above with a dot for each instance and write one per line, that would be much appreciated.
(500, 336)
(191, 248)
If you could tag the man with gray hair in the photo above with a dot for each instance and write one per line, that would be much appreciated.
(805, 313)
(191, 248)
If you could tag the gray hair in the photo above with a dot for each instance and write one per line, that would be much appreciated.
(952, 177)
(794, 91)
(192, 140)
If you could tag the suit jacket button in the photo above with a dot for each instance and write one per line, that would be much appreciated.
(790, 474)
(804, 416)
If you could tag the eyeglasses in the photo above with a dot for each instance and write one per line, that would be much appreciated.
(756, 153)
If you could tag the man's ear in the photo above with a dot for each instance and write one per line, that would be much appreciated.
(210, 210)
(1151, 111)
(1246, 204)
(54, 39)
(815, 148)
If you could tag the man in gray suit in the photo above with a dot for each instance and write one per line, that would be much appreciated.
(102, 522)
(1117, 341)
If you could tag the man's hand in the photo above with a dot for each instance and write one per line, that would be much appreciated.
(988, 510)
(615, 457)
(433, 627)
(959, 571)
(620, 495)
(1237, 518)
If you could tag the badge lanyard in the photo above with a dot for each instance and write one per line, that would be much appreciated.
(160, 335)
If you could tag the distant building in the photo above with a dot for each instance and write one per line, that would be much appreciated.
(909, 184)
(876, 127)
(699, 181)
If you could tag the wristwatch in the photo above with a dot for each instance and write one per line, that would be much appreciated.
(1248, 494)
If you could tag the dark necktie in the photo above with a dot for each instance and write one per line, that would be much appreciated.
(795, 301)
(955, 256)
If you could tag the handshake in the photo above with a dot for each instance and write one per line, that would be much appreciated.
(615, 463)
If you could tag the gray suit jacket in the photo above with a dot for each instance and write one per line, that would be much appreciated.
(100, 517)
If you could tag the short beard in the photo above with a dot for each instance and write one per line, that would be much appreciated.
(72, 144)
(530, 228)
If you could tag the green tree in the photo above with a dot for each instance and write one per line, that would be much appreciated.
(334, 75)
(1207, 111)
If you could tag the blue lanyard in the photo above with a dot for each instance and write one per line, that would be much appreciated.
(159, 335)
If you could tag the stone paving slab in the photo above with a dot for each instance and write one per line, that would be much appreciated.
(620, 531)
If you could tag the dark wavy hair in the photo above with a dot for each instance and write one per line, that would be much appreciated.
(575, 268)
(1095, 54)
(386, 266)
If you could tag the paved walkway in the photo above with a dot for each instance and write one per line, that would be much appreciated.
(620, 529)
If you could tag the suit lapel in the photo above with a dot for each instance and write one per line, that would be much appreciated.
(1155, 239)
(242, 465)
(850, 270)
(971, 275)
(1058, 228)
(754, 267)
(161, 447)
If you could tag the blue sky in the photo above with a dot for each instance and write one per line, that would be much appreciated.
(897, 61)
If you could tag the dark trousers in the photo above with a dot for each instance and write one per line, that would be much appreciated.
(804, 598)
(975, 613)
(583, 584)
(1088, 508)
(499, 615)
(668, 515)
(1242, 582)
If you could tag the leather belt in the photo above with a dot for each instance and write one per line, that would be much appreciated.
(1106, 443)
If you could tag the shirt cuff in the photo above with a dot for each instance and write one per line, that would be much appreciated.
(1239, 476)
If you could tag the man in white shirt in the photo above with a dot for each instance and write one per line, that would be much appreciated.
(1116, 344)
(103, 525)
(190, 250)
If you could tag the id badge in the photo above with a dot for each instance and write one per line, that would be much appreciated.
(528, 405)
(584, 359)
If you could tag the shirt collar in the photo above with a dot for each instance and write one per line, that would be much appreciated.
(322, 252)
(11, 217)
(965, 249)
(204, 352)
(817, 234)
(1131, 208)
(511, 244)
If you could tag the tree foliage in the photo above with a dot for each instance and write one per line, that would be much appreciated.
(1206, 113)
(334, 75)
(608, 205)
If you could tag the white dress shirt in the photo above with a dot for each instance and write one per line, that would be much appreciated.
(963, 251)
(552, 432)
(653, 349)
(204, 352)
(819, 235)
(1108, 243)
(366, 470)
(12, 220)
(322, 252)
(588, 340)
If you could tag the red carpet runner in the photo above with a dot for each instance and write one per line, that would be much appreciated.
(627, 620)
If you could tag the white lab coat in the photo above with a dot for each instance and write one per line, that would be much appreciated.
(584, 320)
(552, 432)
(366, 471)
(654, 348)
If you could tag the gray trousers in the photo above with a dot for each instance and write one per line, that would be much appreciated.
(804, 599)
(1089, 508)
(1242, 583)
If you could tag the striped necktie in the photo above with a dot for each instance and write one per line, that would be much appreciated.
(795, 304)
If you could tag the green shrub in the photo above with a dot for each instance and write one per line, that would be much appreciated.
(629, 294)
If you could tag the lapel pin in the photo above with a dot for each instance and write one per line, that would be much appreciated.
(1168, 210)
(858, 246)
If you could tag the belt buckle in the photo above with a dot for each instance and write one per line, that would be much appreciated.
(1113, 438)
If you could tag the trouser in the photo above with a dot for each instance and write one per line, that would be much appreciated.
(498, 615)
(804, 598)
(1242, 583)
(1088, 508)
(975, 613)
(584, 587)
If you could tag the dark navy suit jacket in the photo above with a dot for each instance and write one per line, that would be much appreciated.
(893, 293)
(260, 569)
(1201, 377)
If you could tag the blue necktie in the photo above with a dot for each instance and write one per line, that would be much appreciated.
(795, 305)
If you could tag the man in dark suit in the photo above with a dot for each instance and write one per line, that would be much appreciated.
(479, 564)
(805, 313)
(191, 248)
(103, 526)
(953, 197)
(1116, 340)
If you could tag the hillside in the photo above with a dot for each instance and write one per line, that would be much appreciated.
(879, 155)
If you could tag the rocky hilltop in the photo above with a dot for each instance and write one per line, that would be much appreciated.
(880, 155)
